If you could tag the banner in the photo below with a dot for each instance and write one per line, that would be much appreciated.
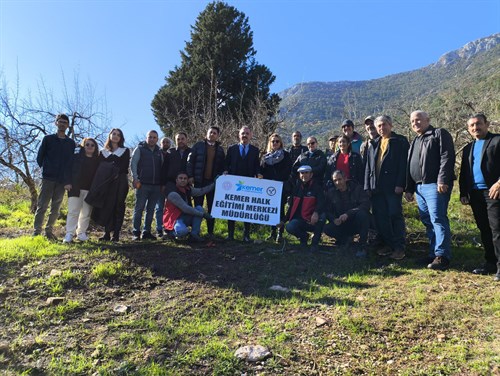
(245, 199)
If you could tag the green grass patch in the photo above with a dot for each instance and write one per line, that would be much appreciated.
(108, 271)
(27, 248)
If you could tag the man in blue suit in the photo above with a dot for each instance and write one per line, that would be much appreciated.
(242, 159)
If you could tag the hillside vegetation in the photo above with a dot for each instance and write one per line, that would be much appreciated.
(460, 83)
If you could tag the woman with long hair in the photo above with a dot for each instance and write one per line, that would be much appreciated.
(110, 187)
(276, 164)
(345, 160)
(85, 162)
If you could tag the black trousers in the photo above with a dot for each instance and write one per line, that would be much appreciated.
(487, 215)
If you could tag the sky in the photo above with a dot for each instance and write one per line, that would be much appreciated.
(126, 48)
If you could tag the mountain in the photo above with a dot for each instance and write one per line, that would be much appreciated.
(317, 107)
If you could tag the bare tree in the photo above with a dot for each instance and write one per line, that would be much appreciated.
(25, 119)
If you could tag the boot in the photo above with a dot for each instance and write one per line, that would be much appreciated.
(106, 237)
(272, 235)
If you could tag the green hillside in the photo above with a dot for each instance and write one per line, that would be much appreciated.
(461, 82)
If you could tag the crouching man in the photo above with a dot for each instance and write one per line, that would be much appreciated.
(347, 211)
(179, 213)
(306, 212)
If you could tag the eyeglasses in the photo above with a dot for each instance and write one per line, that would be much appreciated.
(311, 143)
(275, 141)
(90, 144)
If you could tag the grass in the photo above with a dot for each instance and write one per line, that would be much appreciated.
(191, 307)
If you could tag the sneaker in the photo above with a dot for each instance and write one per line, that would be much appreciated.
(496, 278)
(82, 237)
(439, 263)
(35, 233)
(136, 237)
(148, 236)
(159, 233)
(279, 238)
(68, 238)
(50, 235)
(385, 251)
(398, 254)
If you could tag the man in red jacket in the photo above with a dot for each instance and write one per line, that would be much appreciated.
(306, 210)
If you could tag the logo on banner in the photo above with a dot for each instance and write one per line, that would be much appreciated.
(248, 188)
(271, 191)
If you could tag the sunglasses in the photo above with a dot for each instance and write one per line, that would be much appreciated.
(311, 143)
(90, 144)
(276, 141)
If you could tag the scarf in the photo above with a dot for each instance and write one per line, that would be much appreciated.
(274, 157)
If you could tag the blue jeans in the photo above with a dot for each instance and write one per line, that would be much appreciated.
(185, 220)
(160, 205)
(146, 196)
(300, 229)
(433, 209)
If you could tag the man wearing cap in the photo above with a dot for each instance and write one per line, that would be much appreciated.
(480, 188)
(372, 134)
(429, 176)
(296, 148)
(355, 137)
(306, 212)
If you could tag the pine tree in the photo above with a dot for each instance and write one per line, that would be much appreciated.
(218, 78)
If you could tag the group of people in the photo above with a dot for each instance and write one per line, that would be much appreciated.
(355, 186)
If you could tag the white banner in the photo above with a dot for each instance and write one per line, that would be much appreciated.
(245, 199)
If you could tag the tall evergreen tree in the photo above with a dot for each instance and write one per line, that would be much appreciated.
(218, 78)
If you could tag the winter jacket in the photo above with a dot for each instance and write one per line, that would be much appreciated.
(55, 157)
(437, 159)
(355, 200)
(146, 164)
(312, 197)
(82, 172)
(393, 169)
(356, 171)
(196, 161)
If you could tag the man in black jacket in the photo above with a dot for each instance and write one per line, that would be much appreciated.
(385, 179)
(347, 211)
(242, 159)
(296, 148)
(205, 162)
(480, 187)
(175, 160)
(55, 157)
(429, 175)
(314, 157)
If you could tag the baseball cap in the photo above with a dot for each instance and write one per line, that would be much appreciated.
(347, 122)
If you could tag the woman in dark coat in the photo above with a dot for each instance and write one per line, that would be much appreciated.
(345, 160)
(276, 164)
(110, 186)
(85, 162)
